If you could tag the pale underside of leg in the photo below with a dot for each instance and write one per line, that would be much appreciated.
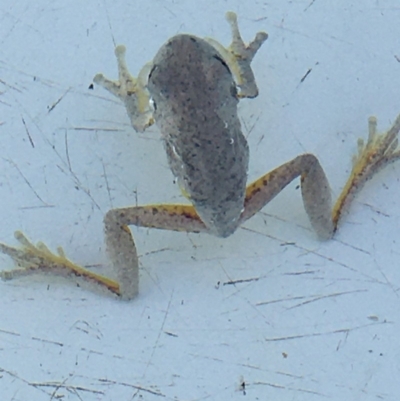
(315, 191)
(120, 246)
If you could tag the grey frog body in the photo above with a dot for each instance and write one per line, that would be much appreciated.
(195, 107)
(195, 85)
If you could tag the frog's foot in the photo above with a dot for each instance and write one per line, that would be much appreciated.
(379, 151)
(132, 91)
(35, 259)
(238, 56)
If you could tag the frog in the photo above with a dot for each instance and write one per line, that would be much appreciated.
(191, 90)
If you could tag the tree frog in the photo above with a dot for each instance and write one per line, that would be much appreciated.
(191, 91)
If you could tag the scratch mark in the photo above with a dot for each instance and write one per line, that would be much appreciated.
(109, 24)
(170, 334)
(312, 2)
(299, 273)
(356, 248)
(27, 132)
(279, 386)
(313, 252)
(32, 338)
(375, 210)
(75, 178)
(77, 182)
(260, 19)
(58, 344)
(54, 393)
(157, 251)
(26, 181)
(5, 103)
(247, 280)
(251, 128)
(35, 207)
(140, 388)
(249, 303)
(51, 108)
(323, 333)
(87, 328)
(305, 75)
(319, 297)
(107, 185)
(67, 150)
(279, 218)
(10, 332)
(102, 129)
(260, 140)
(342, 342)
(66, 386)
(10, 86)
(275, 301)
(389, 283)
(159, 333)
(15, 376)
(47, 341)
(397, 58)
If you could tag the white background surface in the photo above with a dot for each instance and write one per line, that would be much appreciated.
(310, 321)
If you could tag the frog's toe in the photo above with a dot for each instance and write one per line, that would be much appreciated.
(238, 46)
(379, 150)
(30, 258)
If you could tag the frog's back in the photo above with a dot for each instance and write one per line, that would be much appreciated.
(195, 104)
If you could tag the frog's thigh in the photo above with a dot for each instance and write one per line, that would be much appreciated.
(314, 188)
(119, 240)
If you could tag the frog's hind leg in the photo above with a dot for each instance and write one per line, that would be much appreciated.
(314, 188)
(379, 151)
(238, 56)
(38, 258)
(132, 91)
(119, 240)
(120, 245)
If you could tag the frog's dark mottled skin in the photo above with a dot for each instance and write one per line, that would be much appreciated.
(207, 152)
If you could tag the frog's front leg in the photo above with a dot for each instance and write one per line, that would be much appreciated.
(132, 91)
(379, 151)
(120, 246)
(238, 56)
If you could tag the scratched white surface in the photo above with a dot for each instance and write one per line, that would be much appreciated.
(267, 314)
